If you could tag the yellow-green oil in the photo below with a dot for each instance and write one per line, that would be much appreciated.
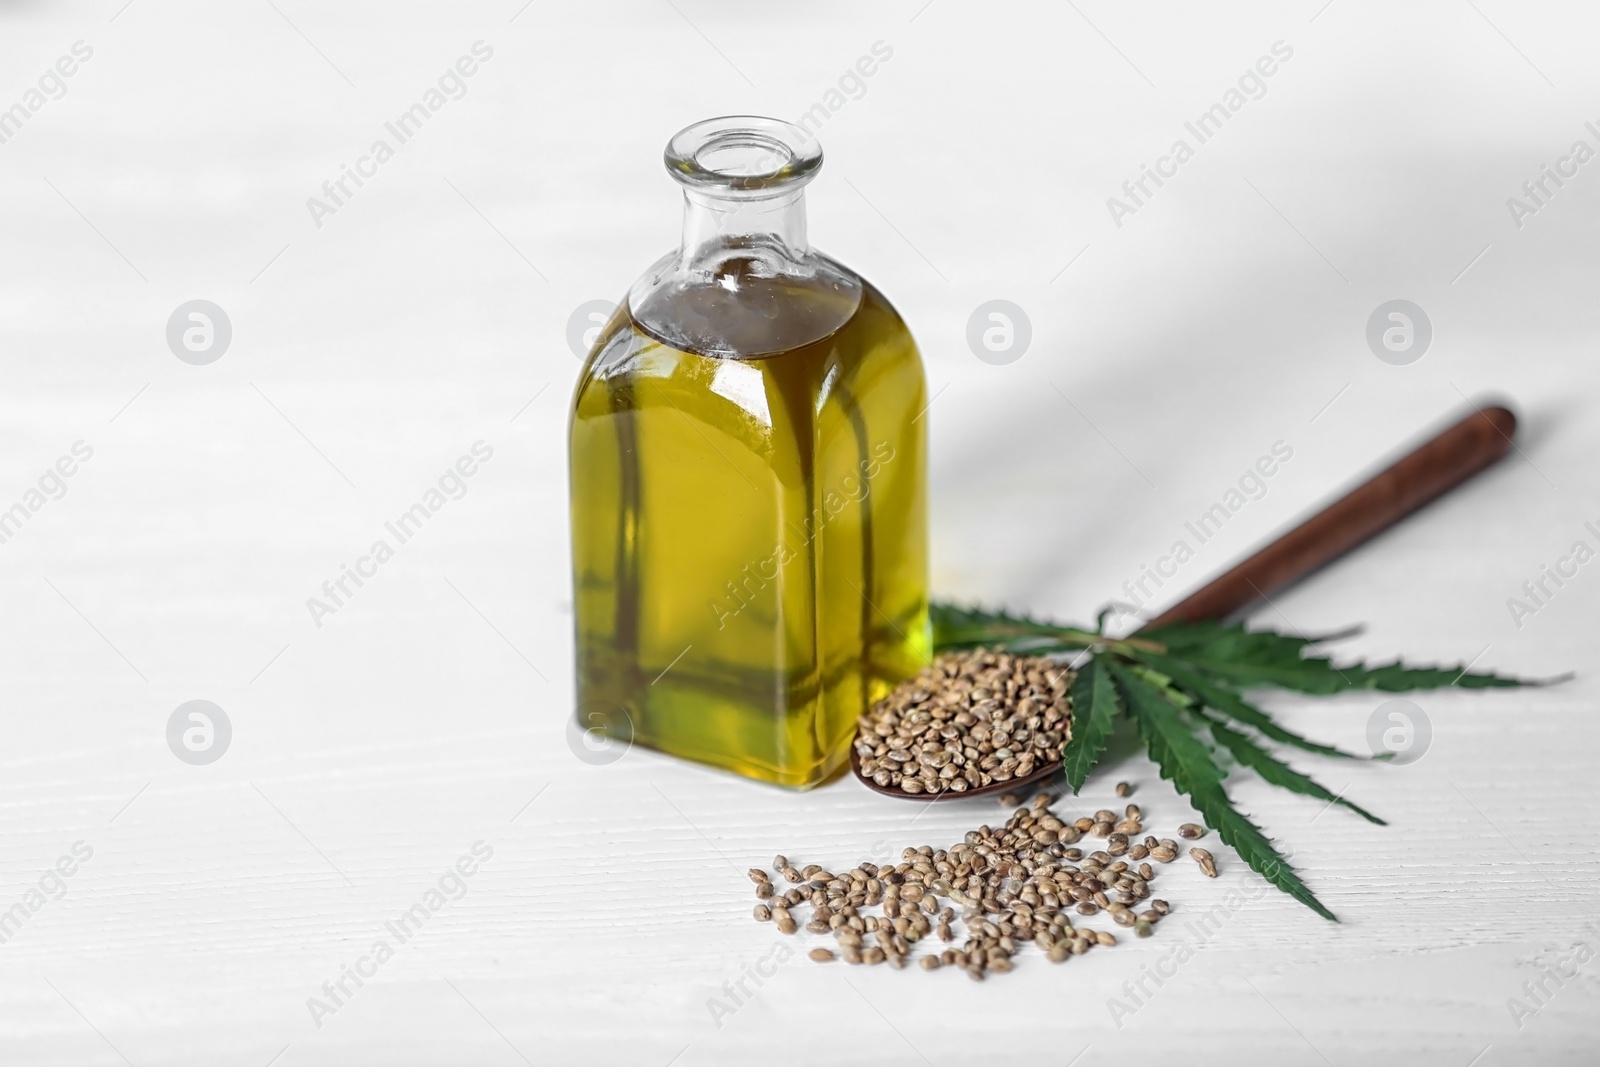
(749, 533)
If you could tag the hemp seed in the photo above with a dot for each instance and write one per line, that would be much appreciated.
(1011, 884)
(969, 720)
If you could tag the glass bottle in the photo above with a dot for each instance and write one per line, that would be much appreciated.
(749, 520)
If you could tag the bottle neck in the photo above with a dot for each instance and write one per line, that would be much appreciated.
(744, 282)
(771, 229)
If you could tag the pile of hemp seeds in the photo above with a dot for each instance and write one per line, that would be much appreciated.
(1026, 881)
(968, 720)
(971, 719)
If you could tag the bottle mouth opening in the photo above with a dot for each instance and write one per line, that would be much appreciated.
(743, 155)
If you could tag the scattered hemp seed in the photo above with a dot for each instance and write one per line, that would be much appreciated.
(1191, 831)
(1208, 865)
(972, 719)
(976, 904)
(1124, 789)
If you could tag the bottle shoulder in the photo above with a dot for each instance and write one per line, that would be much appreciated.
(740, 302)
(872, 352)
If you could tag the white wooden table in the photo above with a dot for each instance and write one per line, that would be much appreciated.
(428, 713)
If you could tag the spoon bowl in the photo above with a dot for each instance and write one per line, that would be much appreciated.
(1041, 772)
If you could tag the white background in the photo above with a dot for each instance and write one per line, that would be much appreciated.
(430, 313)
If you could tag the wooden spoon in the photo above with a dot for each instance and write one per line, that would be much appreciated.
(1425, 473)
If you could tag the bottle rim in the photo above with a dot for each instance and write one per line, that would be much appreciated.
(743, 155)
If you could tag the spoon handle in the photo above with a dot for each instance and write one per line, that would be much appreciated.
(1429, 471)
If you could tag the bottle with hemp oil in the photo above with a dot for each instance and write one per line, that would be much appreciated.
(749, 518)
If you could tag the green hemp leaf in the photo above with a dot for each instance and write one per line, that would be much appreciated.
(1182, 686)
